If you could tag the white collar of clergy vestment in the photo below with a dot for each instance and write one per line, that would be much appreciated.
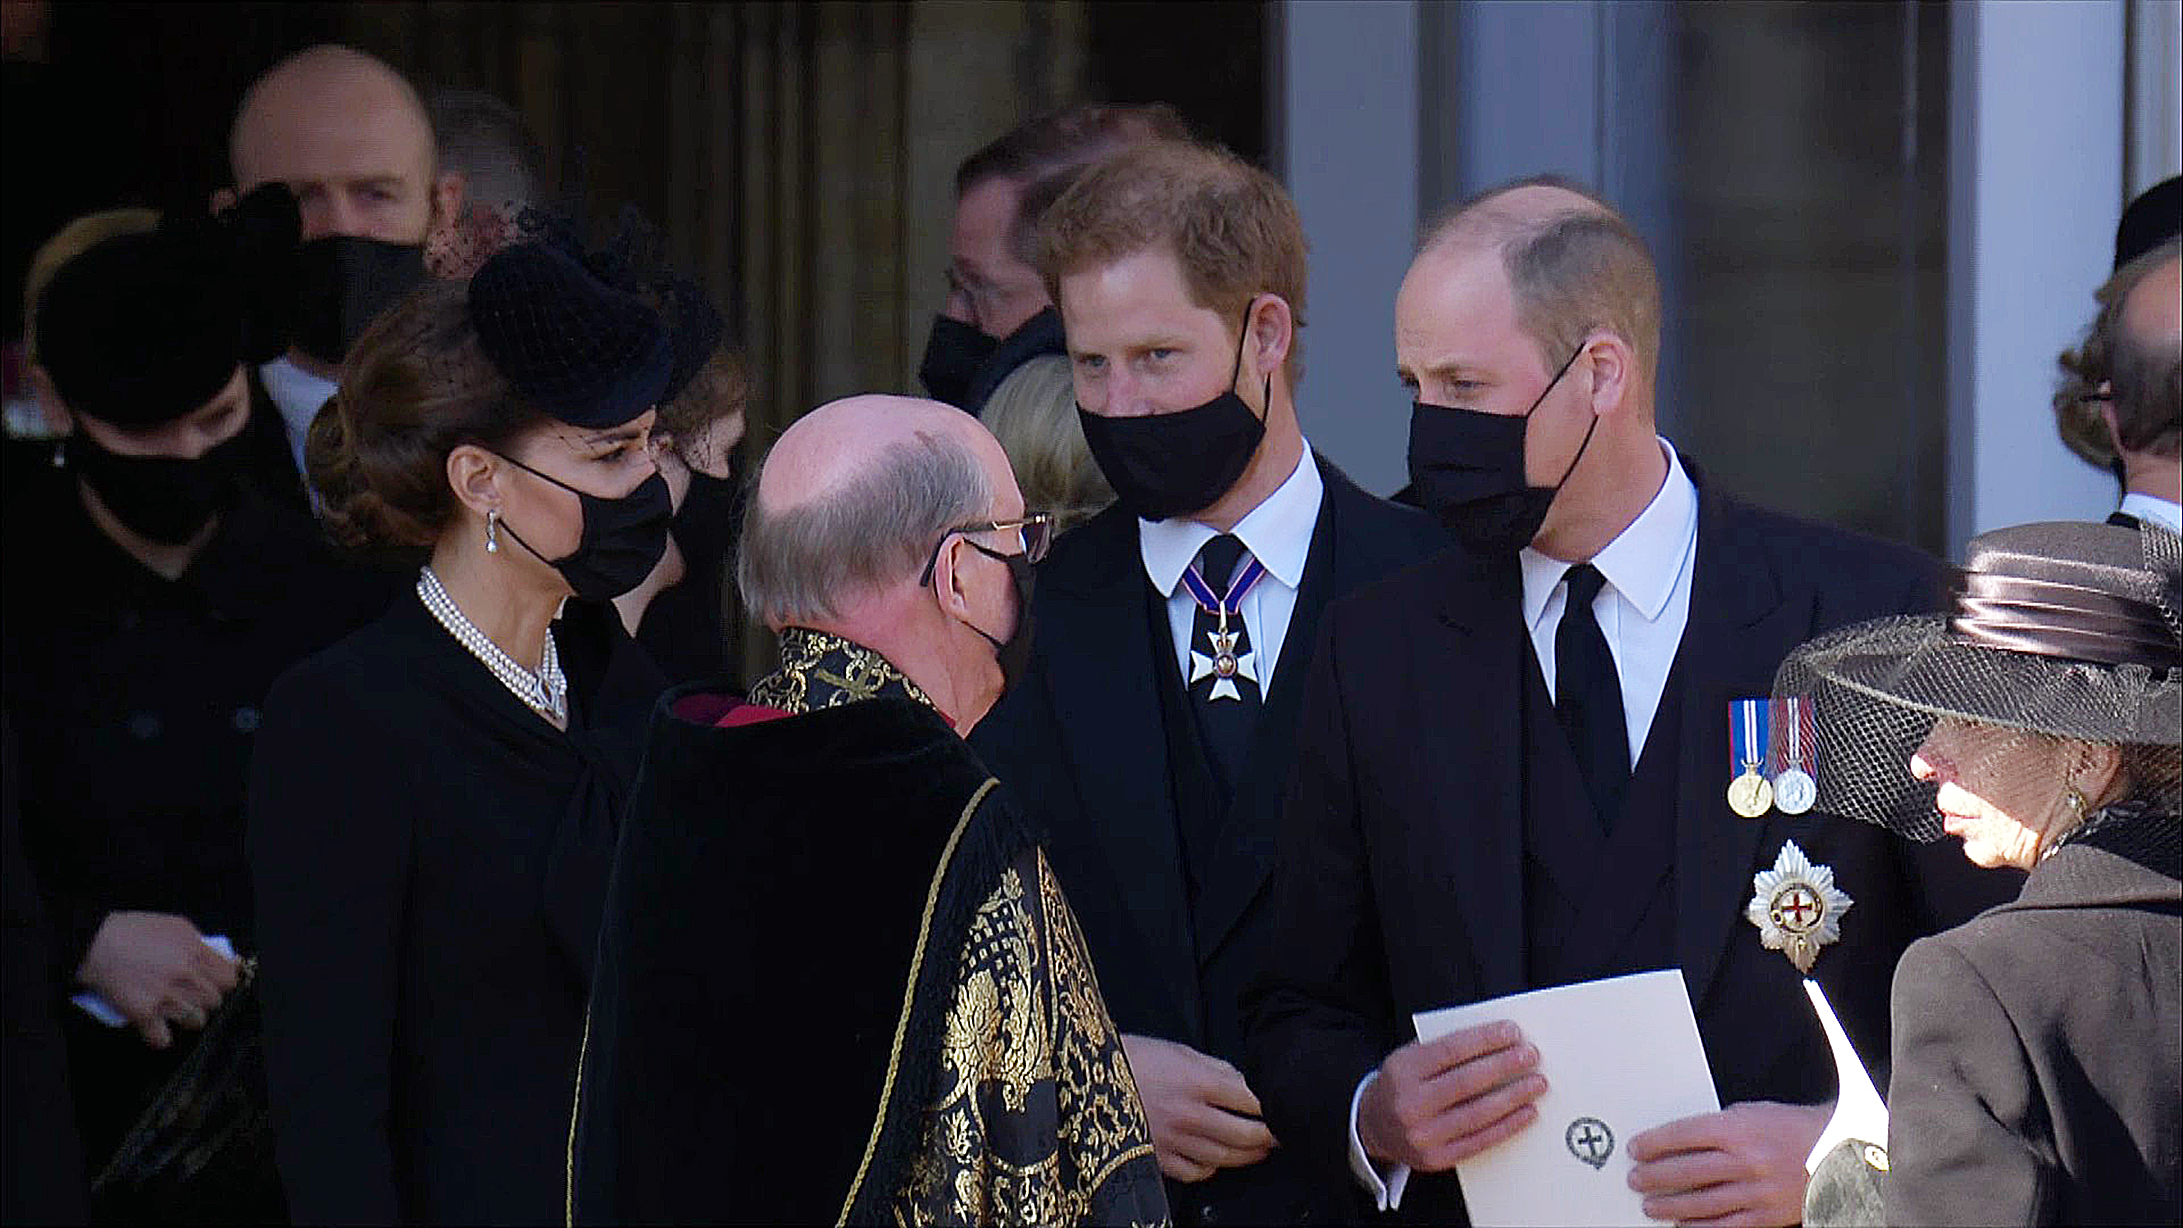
(1644, 606)
(1277, 533)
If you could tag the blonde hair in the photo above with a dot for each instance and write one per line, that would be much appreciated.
(67, 243)
(1033, 414)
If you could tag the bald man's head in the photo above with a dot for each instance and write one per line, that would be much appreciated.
(854, 497)
(1573, 264)
(351, 137)
(2146, 407)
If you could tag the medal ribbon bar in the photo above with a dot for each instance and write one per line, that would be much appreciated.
(1222, 606)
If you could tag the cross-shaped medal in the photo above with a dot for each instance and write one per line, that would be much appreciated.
(1225, 665)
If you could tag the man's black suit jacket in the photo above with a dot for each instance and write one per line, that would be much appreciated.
(1400, 881)
(1080, 742)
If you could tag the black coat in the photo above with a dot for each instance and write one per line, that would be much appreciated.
(1081, 743)
(42, 1156)
(137, 702)
(1401, 877)
(2038, 1053)
(430, 858)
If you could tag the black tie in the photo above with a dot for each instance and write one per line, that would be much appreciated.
(1223, 674)
(1588, 696)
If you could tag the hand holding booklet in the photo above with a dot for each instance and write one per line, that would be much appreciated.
(1620, 1056)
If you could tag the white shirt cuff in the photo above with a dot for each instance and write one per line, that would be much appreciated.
(1385, 1187)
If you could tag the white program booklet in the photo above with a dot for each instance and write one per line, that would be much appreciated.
(1620, 1056)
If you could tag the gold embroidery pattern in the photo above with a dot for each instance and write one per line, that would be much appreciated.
(1035, 1113)
(819, 670)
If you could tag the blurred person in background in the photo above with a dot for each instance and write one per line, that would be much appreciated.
(434, 802)
(484, 144)
(998, 313)
(2120, 401)
(351, 138)
(152, 596)
(685, 613)
(32, 428)
(1033, 414)
(2083, 397)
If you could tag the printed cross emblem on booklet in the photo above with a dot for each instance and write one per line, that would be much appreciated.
(1224, 663)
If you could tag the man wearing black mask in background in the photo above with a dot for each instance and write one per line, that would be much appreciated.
(998, 313)
(1515, 768)
(1151, 735)
(352, 139)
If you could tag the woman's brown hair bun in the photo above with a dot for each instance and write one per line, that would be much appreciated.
(416, 386)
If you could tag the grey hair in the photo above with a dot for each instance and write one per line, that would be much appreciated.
(798, 566)
(486, 139)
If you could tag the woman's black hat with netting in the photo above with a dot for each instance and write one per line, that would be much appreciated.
(2059, 631)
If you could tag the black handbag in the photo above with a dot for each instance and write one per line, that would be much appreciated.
(202, 1152)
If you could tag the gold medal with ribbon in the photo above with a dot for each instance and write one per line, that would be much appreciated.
(1749, 792)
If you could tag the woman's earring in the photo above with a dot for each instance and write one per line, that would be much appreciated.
(60, 454)
(492, 531)
(2074, 798)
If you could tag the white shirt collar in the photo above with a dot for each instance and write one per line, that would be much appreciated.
(296, 392)
(1642, 562)
(1277, 532)
(2154, 508)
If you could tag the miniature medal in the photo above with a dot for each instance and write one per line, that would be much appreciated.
(1794, 789)
(1749, 794)
(1796, 907)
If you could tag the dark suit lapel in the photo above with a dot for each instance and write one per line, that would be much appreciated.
(1108, 710)
(1245, 855)
(1469, 761)
(1744, 618)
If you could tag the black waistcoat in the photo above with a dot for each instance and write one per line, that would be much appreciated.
(1200, 807)
(1597, 903)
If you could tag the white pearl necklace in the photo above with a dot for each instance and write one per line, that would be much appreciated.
(546, 692)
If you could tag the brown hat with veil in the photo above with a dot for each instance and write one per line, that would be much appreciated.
(2060, 632)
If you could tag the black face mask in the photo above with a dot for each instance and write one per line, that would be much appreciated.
(622, 538)
(164, 499)
(1167, 465)
(1467, 467)
(343, 283)
(953, 353)
(1013, 655)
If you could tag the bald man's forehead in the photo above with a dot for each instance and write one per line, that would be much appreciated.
(839, 440)
(330, 115)
(325, 145)
(2155, 309)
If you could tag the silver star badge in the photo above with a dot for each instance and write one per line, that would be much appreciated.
(1224, 666)
(1797, 907)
